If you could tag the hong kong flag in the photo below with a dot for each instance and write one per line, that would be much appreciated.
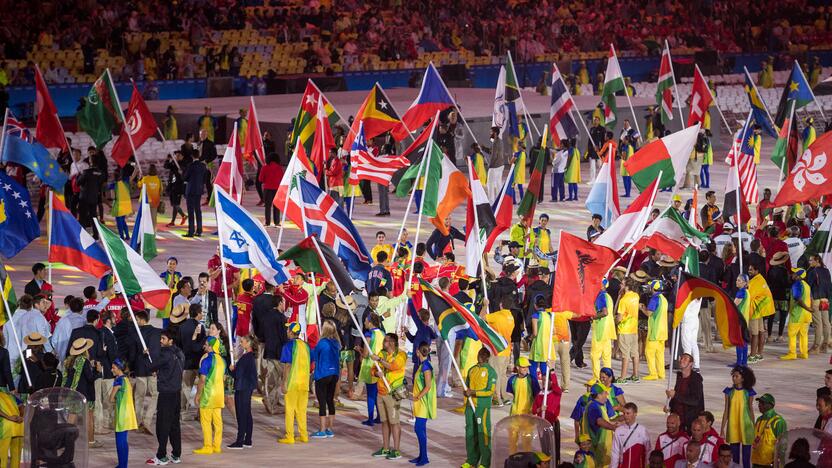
(138, 127)
(811, 175)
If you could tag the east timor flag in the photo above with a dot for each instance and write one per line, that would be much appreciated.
(304, 127)
(378, 116)
(732, 327)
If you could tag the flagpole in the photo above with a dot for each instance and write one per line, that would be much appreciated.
(627, 93)
(765, 106)
(226, 302)
(3, 134)
(456, 106)
(14, 332)
(814, 99)
(551, 342)
(63, 134)
(675, 86)
(141, 205)
(49, 233)
(610, 162)
(736, 163)
(520, 93)
(575, 108)
(349, 308)
(475, 231)
(124, 291)
(782, 177)
(124, 120)
(296, 184)
(459, 374)
(674, 345)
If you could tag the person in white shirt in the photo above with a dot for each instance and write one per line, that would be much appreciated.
(630, 441)
(672, 442)
(723, 239)
(27, 320)
(559, 171)
(795, 244)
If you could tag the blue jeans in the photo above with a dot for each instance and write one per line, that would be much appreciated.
(573, 191)
(628, 183)
(122, 449)
(123, 231)
(557, 186)
(745, 451)
(372, 398)
(705, 176)
(742, 355)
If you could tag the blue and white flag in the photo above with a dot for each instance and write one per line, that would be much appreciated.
(245, 242)
(603, 196)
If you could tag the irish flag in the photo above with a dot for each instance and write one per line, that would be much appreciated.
(613, 83)
(670, 234)
(628, 227)
(667, 155)
(134, 274)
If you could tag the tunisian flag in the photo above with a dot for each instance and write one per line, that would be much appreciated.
(48, 131)
(581, 267)
(811, 175)
(139, 125)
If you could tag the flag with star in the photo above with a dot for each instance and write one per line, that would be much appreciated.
(378, 116)
(18, 223)
(758, 107)
(35, 157)
(304, 127)
(797, 89)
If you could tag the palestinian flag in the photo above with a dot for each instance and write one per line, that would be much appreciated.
(8, 295)
(664, 88)
(377, 114)
(134, 274)
(613, 84)
(305, 121)
(529, 201)
(670, 234)
(445, 303)
(729, 321)
(820, 241)
(313, 256)
(785, 152)
(99, 114)
(669, 155)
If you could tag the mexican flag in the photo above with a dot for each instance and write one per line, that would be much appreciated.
(669, 155)
(99, 114)
(306, 255)
(144, 232)
(613, 83)
(664, 88)
(670, 234)
(132, 271)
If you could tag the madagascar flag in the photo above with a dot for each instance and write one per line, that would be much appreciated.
(729, 321)
(314, 256)
(378, 116)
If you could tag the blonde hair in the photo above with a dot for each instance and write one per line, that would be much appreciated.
(328, 310)
(328, 330)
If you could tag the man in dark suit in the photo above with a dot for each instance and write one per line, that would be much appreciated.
(268, 323)
(89, 331)
(196, 176)
(207, 152)
(145, 381)
(108, 352)
(39, 274)
(192, 337)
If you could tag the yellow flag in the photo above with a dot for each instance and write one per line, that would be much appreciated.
(762, 302)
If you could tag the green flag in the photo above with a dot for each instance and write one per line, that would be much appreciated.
(529, 201)
(785, 151)
(613, 83)
(99, 114)
(690, 260)
(430, 192)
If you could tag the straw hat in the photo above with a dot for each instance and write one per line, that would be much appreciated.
(640, 275)
(779, 258)
(179, 313)
(34, 339)
(666, 261)
(348, 303)
(79, 346)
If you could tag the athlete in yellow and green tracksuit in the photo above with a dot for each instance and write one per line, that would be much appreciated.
(596, 423)
(768, 427)
(210, 397)
(11, 430)
(603, 332)
(656, 312)
(800, 316)
(295, 359)
(481, 383)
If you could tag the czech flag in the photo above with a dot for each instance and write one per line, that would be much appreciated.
(71, 244)
(433, 97)
(733, 329)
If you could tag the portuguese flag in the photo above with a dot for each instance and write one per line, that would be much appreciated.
(668, 155)
(305, 120)
(732, 326)
(306, 255)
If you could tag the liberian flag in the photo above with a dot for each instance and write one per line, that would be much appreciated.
(502, 209)
(134, 274)
(433, 97)
(475, 239)
(603, 196)
(144, 232)
(613, 83)
(664, 88)
(71, 244)
(230, 174)
(700, 98)
(628, 227)
(668, 155)
(670, 234)
(560, 116)
(365, 166)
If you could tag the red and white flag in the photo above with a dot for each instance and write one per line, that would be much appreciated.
(140, 126)
(700, 98)
(298, 164)
(48, 131)
(230, 174)
(323, 141)
(364, 165)
(747, 168)
(811, 175)
(627, 228)
(253, 146)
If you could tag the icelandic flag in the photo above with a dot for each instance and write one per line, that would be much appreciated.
(433, 97)
(324, 218)
(71, 244)
(503, 209)
(603, 197)
(245, 242)
(144, 232)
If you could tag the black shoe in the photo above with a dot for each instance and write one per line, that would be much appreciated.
(235, 446)
(199, 234)
(187, 235)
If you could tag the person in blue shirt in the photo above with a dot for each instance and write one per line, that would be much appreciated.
(326, 356)
(581, 405)
(379, 276)
(244, 372)
(743, 303)
(424, 333)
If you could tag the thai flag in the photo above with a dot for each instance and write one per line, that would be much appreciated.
(560, 117)
(324, 218)
(71, 244)
(503, 208)
(433, 97)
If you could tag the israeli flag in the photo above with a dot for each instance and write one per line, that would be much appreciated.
(244, 241)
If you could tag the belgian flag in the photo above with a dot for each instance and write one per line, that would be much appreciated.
(8, 294)
(732, 326)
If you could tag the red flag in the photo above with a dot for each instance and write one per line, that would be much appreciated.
(140, 125)
(811, 175)
(700, 98)
(253, 146)
(581, 267)
(48, 131)
(230, 174)
(377, 115)
(323, 141)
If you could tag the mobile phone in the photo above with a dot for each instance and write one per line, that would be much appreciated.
(28, 353)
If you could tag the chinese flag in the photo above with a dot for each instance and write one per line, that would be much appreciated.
(581, 267)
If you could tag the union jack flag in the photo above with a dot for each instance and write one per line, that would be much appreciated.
(324, 218)
(743, 150)
(17, 128)
(366, 166)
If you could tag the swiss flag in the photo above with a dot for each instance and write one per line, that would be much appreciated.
(811, 175)
(48, 131)
(700, 98)
(139, 126)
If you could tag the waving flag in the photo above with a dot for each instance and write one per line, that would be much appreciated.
(139, 126)
(305, 124)
(613, 83)
(376, 114)
(528, 203)
(514, 102)
(35, 157)
(810, 178)
(298, 165)
(230, 174)
(253, 146)
(476, 228)
(628, 227)
(17, 128)
(499, 116)
(668, 155)
(664, 88)
(502, 208)
(560, 109)
(433, 97)
(732, 326)
(700, 98)
(758, 106)
(322, 142)
(785, 152)
(671, 234)
(8, 293)
(581, 267)
(71, 244)
(365, 166)
(245, 242)
(99, 114)
(49, 131)
(325, 219)
(603, 196)
(315, 256)
(743, 150)
(797, 90)
(18, 223)
(144, 232)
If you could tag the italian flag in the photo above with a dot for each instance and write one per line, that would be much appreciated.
(670, 234)
(667, 155)
(132, 271)
(627, 228)
(664, 88)
(613, 83)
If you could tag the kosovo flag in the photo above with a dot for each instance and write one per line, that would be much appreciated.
(797, 89)
(37, 159)
(758, 107)
(18, 222)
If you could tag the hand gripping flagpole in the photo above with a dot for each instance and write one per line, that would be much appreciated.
(551, 343)
(16, 337)
(227, 302)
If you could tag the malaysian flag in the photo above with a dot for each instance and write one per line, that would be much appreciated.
(15, 127)
(365, 166)
(560, 117)
(743, 150)
(324, 218)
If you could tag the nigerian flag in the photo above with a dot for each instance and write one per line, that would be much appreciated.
(613, 83)
(99, 114)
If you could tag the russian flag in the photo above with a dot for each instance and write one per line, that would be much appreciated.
(503, 208)
(71, 244)
(433, 97)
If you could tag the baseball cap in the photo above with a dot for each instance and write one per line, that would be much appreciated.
(523, 362)
(767, 398)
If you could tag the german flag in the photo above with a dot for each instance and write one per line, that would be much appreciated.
(378, 116)
(304, 127)
(8, 295)
(732, 326)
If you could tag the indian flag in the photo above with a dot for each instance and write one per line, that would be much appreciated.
(132, 271)
(667, 155)
(613, 83)
(671, 234)
(144, 232)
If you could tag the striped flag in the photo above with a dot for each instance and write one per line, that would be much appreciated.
(8, 293)
(664, 88)
(743, 150)
(560, 116)
(365, 166)
(144, 232)
(613, 83)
